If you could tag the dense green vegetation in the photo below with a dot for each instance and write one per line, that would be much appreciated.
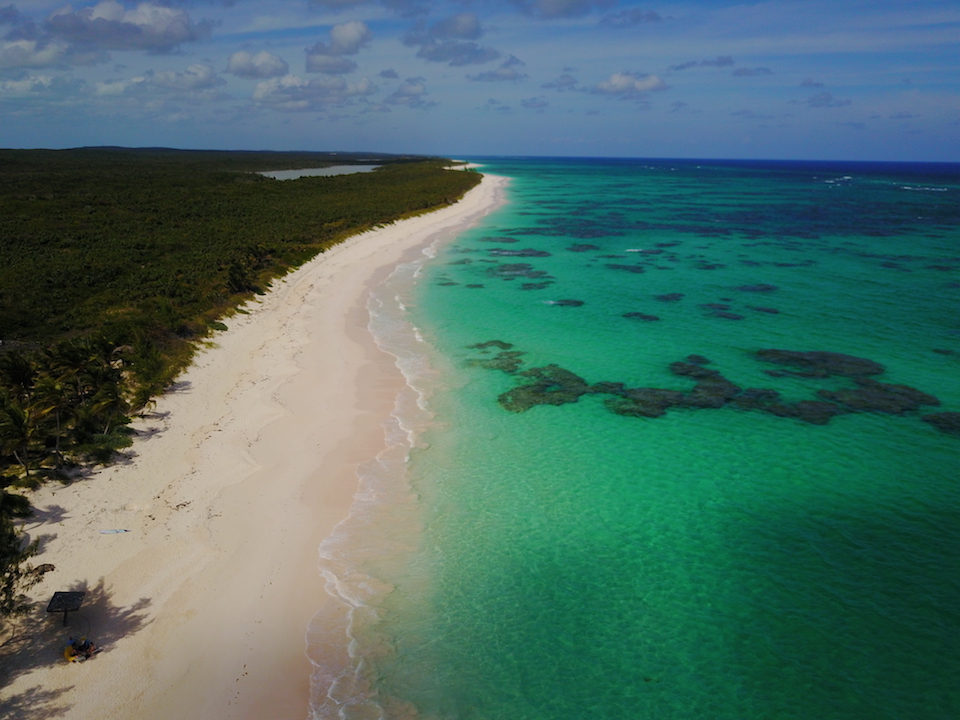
(115, 262)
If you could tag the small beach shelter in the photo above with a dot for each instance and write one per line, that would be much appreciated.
(65, 602)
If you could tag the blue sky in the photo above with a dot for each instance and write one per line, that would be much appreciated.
(800, 79)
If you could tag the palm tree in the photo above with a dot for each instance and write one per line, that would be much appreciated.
(17, 374)
(109, 402)
(18, 429)
(53, 396)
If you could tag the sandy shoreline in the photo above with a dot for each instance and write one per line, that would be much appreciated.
(238, 475)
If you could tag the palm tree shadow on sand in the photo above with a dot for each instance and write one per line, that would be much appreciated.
(36, 642)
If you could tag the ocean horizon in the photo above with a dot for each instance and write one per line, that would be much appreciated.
(679, 440)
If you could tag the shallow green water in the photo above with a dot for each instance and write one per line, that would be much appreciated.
(570, 562)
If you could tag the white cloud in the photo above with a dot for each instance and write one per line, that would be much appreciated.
(26, 86)
(562, 83)
(31, 54)
(293, 93)
(534, 103)
(410, 93)
(348, 38)
(261, 65)
(111, 26)
(550, 9)
(345, 39)
(826, 99)
(465, 26)
(509, 70)
(450, 41)
(629, 84)
(199, 76)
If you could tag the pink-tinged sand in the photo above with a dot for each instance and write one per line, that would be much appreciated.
(236, 477)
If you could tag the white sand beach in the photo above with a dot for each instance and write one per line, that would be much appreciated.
(237, 475)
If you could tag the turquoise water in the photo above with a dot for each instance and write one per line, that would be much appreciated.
(550, 558)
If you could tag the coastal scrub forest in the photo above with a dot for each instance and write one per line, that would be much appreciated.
(116, 263)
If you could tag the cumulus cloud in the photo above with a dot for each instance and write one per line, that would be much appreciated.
(348, 38)
(345, 39)
(451, 41)
(389, 74)
(810, 83)
(9, 15)
(40, 86)
(721, 61)
(457, 54)
(465, 26)
(629, 85)
(195, 83)
(825, 99)
(630, 17)
(262, 65)
(752, 72)
(562, 83)
(534, 103)
(410, 93)
(511, 69)
(292, 94)
(108, 25)
(198, 76)
(32, 54)
(406, 8)
(552, 9)
(338, 4)
(750, 115)
(114, 88)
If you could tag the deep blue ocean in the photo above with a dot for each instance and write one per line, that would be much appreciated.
(682, 441)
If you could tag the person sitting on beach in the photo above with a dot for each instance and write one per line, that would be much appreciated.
(79, 650)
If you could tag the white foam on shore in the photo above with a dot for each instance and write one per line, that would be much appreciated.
(381, 535)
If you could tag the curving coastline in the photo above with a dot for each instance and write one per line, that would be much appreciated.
(238, 475)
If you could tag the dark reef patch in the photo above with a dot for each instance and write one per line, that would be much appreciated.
(762, 287)
(641, 316)
(945, 422)
(491, 343)
(875, 396)
(629, 268)
(537, 285)
(725, 314)
(643, 402)
(551, 385)
(509, 271)
(583, 247)
(818, 364)
(492, 239)
(768, 310)
(564, 303)
(669, 297)
(554, 385)
(528, 252)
